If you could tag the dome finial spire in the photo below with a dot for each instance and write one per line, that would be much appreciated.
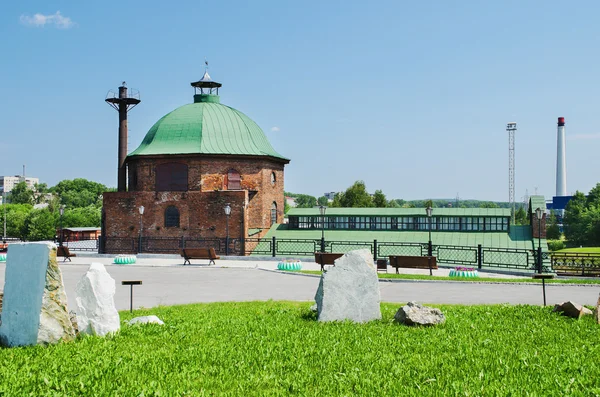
(206, 85)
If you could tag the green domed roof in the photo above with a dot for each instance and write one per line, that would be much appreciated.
(206, 127)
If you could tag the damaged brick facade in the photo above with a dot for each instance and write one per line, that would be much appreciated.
(201, 189)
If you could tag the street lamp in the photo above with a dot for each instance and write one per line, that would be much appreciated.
(539, 214)
(429, 211)
(4, 202)
(61, 211)
(141, 210)
(227, 210)
(322, 210)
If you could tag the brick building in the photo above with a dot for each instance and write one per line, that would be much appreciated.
(190, 165)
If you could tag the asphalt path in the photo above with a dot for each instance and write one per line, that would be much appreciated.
(171, 285)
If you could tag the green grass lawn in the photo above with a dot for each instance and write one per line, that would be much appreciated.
(478, 279)
(584, 250)
(277, 348)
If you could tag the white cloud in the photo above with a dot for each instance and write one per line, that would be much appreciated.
(275, 129)
(583, 137)
(41, 20)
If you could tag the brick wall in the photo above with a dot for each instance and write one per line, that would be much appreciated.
(535, 227)
(201, 207)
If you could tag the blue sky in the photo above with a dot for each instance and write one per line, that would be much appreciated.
(411, 97)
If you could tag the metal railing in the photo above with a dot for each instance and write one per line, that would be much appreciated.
(473, 256)
(576, 264)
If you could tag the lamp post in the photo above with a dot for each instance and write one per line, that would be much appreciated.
(141, 210)
(322, 210)
(61, 211)
(429, 211)
(4, 202)
(227, 210)
(539, 214)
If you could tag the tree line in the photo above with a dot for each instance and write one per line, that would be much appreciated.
(582, 219)
(358, 196)
(33, 213)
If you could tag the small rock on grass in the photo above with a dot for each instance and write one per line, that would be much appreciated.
(146, 320)
(571, 309)
(416, 314)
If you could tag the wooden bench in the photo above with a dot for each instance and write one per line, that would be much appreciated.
(63, 251)
(326, 258)
(413, 262)
(199, 253)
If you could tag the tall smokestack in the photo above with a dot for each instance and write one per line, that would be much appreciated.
(561, 159)
(122, 103)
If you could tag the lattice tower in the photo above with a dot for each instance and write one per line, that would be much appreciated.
(511, 128)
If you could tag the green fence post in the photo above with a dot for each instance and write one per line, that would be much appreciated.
(273, 246)
(479, 256)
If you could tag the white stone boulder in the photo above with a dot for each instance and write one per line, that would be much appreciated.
(34, 307)
(146, 320)
(95, 297)
(350, 290)
(416, 314)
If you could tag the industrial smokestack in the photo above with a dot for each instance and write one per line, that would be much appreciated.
(561, 159)
(122, 103)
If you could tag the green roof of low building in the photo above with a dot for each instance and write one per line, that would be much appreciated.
(206, 127)
(518, 237)
(334, 211)
(537, 202)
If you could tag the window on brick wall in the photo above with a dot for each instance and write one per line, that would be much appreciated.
(133, 180)
(233, 180)
(172, 177)
(171, 216)
(273, 213)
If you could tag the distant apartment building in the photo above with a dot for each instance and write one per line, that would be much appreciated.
(290, 201)
(7, 183)
(329, 195)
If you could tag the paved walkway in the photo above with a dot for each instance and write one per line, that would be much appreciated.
(167, 282)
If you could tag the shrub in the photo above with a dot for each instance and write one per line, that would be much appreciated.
(556, 245)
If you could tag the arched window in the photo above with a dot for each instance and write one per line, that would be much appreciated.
(274, 213)
(273, 178)
(172, 177)
(171, 216)
(233, 180)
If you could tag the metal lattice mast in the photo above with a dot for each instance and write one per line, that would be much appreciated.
(511, 128)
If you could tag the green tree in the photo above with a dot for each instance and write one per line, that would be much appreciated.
(521, 217)
(592, 226)
(593, 197)
(488, 204)
(82, 217)
(40, 225)
(574, 219)
(552, 229)
(15, 219)
(355, 196)
(393, 204)
(79, 192)
(379, 199)
(21, 194)
(305, 201)
(323, 201)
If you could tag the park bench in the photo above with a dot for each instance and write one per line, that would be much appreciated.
(326, 258)
(413, 262)
(64, 252)
(199, 253)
